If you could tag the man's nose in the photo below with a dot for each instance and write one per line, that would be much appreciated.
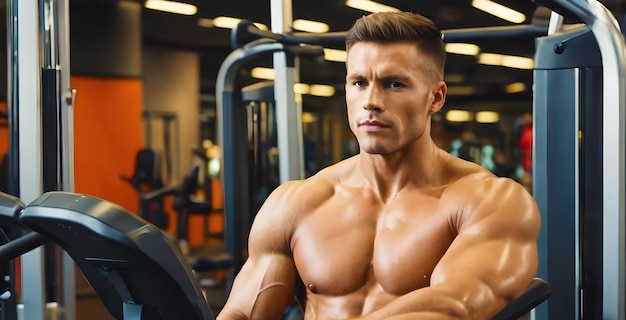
(374, 100)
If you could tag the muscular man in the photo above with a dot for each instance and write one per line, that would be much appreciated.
(403, 230)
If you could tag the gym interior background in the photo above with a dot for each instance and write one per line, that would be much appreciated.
(146, 78)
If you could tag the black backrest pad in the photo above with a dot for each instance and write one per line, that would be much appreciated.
(124, 258)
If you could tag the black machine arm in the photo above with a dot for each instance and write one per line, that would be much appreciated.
(246, 32)
(536, 293)
(135, 269)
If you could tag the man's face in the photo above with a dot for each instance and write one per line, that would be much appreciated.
(391, 92)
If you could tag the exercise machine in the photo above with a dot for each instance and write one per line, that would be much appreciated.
(134, 267)
(578, 161)
(186, 204)
(147, 182)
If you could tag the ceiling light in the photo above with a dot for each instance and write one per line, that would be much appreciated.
(226, 22)
(487, 117)
(458, 116)
(310, 26)
(335, 55)
(496, 59)
(262, 73)
(172, 7)
(371, 6)
(322, 90)
(454, 77)
(463, 48)
(499, 10)
(301, 88)
(230, 22)
(518, 62)
(460, 90)
(515, 87)
(308, 117)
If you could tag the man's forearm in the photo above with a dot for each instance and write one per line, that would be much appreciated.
(425, 303)
(230, 316)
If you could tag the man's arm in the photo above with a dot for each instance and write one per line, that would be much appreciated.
(265, 285)
(490, 263)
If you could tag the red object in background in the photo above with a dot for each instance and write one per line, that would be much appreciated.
(526, 145)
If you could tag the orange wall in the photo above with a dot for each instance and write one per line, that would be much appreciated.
(107, 135)
(108, 132)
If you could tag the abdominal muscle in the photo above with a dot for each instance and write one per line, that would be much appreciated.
(363, 301)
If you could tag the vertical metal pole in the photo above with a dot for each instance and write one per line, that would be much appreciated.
(10, 306)
(288, 112)
(28, 103)
(67, 96)
(57, 142)
(611, 43)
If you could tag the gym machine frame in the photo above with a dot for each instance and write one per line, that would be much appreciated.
(579, 105)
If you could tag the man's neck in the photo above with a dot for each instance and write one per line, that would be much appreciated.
(389, 174)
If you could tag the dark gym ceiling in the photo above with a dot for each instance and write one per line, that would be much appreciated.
(213, 44)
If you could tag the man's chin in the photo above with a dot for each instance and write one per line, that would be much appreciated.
(374, 149)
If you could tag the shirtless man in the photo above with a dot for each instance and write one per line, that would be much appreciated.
(403, 230)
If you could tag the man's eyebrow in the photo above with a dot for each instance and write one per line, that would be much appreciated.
(354, 76)
(395, 77)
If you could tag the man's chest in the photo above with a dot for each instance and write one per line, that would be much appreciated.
(344, 247)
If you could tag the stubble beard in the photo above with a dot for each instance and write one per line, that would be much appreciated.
(375, 148)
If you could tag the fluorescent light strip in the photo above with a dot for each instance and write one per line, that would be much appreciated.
(227, 23)
(335, 55)
(460, 90)
(495, 59)
(499, 10)
(310, 26)
(301, 88)
(487, 117)
(454, 78)
(458, 116)
(262, 73)
(308, 117)
(371, 6)
(515, 87)
(322, 90)
(172, 7)
(469, 49)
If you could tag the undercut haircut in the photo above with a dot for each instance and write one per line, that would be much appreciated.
(387, 27)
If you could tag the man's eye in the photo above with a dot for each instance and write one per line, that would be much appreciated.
(359, 83)
(395, 85)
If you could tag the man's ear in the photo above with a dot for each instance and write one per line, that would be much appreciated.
(439, 96)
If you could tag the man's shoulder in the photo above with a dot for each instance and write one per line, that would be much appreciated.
(481, 194)
(483, 186)
(303, 193)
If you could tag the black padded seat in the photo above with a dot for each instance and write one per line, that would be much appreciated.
(134, 267)
(537, 292)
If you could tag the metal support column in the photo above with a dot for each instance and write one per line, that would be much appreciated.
(567, 80)
(27, 103)
(61, 12)
(288, 112)
(610, 42)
